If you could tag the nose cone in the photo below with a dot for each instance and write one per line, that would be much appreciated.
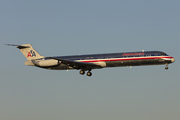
(172, 60)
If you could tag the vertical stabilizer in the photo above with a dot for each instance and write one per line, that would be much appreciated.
(28, 51)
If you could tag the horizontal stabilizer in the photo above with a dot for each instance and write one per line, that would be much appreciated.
(18, 46)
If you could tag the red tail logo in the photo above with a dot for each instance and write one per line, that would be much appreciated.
(31, 54)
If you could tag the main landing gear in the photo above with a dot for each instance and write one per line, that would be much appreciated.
(82, 72)
(166, 66)
(89, 73)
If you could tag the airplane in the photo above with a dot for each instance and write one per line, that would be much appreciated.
(93, 61)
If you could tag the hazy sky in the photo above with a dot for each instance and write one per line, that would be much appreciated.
(74, 27)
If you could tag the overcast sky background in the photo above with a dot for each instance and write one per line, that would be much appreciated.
(74, 27)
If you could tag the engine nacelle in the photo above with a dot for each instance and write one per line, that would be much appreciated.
(46, 63)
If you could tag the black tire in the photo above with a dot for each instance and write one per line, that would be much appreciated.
(89, 73)
(166, 68)
(82, 72)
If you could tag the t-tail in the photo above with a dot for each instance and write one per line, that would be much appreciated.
(28, 51)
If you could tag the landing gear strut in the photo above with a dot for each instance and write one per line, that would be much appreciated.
(166, 66)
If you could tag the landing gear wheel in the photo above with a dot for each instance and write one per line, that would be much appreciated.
(89, 73)
(166, 67)
(82, 72)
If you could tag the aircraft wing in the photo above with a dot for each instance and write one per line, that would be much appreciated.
(76, 64)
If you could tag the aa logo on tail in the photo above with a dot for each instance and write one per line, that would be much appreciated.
(31, 54)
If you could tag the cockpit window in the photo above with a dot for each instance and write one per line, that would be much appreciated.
(162, 54)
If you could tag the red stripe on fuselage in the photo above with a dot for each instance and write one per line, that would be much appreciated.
(125, 59)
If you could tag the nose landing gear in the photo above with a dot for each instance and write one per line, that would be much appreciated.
(166, 66)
